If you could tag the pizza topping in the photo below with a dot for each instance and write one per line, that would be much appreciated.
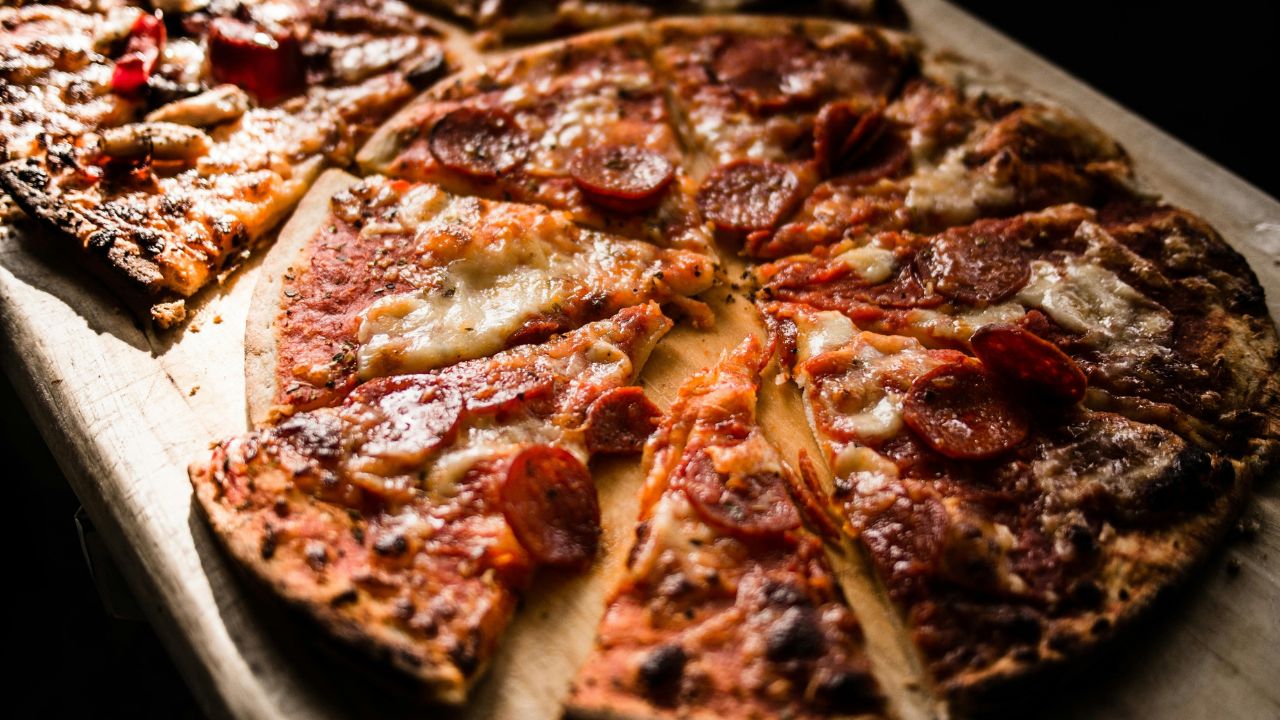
(961, 411)
(157, 140)
(1013, 351)
(971, 266)
(626, 178)
(402, 420)
(141, 53)
(770, 73)
(268, 64)
(752, 504)
(482, 143)
(620, 421)
(550, 502)
(219, 105)
(843, 131)
(747, 195)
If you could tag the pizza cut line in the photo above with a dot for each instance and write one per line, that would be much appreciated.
(1038, 394)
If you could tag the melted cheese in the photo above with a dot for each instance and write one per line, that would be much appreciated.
(951, 191)
(1086, 298)
(872, 263)
(821, 332)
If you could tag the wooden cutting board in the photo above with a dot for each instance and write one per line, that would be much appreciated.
(124, 410)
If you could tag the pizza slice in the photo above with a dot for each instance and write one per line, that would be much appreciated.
(1012, 526)
(941, 155)
(727, 606)
(408, 519)
(579, 125)
(748, 94)
(380, 277)
(1114, 291)
(164, 205)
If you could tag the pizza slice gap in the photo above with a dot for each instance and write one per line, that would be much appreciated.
(727, 606)
(1013, 530)
(379, 277)
(1109, 294)
(408, 519)
(579, 125)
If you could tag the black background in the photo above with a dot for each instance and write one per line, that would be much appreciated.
(1202, 71)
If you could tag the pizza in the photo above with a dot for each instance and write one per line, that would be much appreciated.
(1030, 394)
(581, 125)
(174, 152)
(727, 606)
(407, 518)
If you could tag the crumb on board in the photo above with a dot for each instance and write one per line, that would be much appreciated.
(194, 389)
(217, 319)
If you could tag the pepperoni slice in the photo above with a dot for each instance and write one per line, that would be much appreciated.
(625, 178)
(960, 410)
(747, 195)
(752, 505)
(770, 73)
(483, 143)
(267, 65)
(1016, 352)
(550, 502)
(906, 538)
(975, 267)
(402, 419)
(842, 131)
(620, 421)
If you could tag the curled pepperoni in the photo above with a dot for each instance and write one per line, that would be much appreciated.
(550, 503)
(843, 131)
(483, 143)
(267, 65)
(1016, 352)
(971, 266)
(620, 421)
(747, 195)
(961, 411)
(141, 53)
(625, 178)
(770, 73)
(753, 505)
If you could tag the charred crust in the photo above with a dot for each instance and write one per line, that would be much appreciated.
(660, 672)
(795, 635)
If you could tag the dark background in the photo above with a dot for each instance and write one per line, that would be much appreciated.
(1202, 71)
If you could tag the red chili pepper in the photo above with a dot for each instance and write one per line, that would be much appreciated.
(267, 65)
(146, 40)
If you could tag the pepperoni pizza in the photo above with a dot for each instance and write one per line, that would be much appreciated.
(1038, 394)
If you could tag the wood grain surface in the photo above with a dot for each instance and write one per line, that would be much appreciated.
(124, 410)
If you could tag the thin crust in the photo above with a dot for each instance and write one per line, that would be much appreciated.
(260, 337)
